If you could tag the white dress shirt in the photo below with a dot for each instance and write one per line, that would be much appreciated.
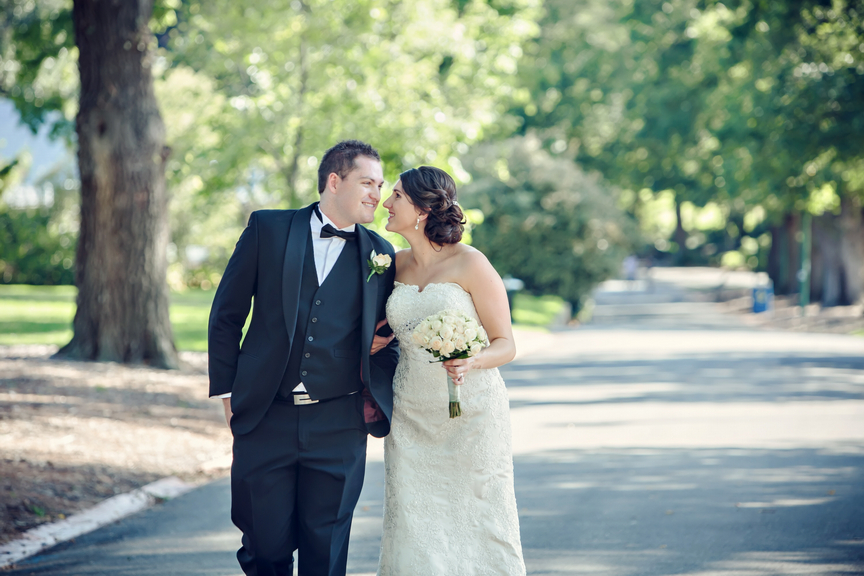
(326, 251)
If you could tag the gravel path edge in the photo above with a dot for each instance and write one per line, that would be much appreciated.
(47, 535)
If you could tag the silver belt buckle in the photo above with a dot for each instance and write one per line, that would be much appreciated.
(303, 400)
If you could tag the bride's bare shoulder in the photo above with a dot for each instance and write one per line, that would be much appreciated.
(402, 256)
(468, 255)
(473, 264)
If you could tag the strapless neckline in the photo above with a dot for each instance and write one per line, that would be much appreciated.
(420, 291)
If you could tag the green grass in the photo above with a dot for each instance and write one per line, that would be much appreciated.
(536, 312)
(36, 314)
(43, 315)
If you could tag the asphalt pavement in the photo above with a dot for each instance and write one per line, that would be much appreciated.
(662, 438)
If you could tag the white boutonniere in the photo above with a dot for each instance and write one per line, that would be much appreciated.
(378, 263)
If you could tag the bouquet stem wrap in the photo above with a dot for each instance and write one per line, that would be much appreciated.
(453, 390)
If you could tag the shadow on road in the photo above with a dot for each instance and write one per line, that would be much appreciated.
(716, 511)
(770, 377)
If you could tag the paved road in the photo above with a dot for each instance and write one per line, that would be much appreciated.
(664, 438)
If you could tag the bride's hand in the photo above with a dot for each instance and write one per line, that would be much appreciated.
(456, 369)
(379, 342)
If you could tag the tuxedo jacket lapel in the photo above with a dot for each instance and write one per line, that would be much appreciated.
(370, 297)
(292, 267)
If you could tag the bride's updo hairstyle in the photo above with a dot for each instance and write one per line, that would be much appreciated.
(433, 192)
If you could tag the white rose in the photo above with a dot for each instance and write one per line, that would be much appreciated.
(436, 325)
(382, 260)
(470, 334)
(436, 343)
(460, 342)
(475, 349)
(481, 333)
(459, 327)
(447, 332)
(419, 338)
(448, 319)
(447, 347)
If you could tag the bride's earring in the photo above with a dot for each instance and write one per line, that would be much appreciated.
(417, 226)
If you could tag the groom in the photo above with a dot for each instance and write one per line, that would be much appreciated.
(311, 378)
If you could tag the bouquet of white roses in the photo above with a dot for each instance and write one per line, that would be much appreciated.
(448, 335)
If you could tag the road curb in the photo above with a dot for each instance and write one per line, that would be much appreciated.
(108, 511)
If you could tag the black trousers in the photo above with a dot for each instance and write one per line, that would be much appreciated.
(295, 481)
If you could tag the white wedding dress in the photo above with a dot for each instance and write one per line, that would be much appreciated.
(449, 504)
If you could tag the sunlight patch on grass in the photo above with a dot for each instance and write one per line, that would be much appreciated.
(536, 311)
(27, 292)
(36, 314)
(43, 315)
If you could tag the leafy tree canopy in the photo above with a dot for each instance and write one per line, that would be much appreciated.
(546, 221)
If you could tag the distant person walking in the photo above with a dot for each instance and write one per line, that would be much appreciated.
(631, 270)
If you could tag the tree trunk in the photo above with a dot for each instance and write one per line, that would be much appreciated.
(785, 255)
(826, 267)
(122, 313)
(851, 231)
(680, 236)
(293, 169)
(838, 256)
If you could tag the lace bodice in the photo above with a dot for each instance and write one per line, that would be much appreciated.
(447, 480)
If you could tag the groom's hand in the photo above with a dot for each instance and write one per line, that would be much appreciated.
(226, 403)
(379, 342)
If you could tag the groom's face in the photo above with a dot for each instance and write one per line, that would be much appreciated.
(357, 195)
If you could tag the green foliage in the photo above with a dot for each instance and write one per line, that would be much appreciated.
(37, 243)
(419, 80)
(730, 115)
(254, 93)
(38, 62)
(748, 106)
(795, 101)
(32, 249)
(546, 221)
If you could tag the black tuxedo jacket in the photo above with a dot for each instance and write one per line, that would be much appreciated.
(267, 264)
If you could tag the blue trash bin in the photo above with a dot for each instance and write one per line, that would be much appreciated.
(763, 299)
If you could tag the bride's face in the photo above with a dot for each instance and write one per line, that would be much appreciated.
(403, 214)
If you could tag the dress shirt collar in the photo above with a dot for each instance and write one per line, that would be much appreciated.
(317, 224)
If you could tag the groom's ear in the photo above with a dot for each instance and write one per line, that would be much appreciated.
(333, 180)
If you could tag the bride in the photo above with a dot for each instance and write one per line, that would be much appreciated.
(449, 504)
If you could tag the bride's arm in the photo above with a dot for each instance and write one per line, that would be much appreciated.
(481, 280)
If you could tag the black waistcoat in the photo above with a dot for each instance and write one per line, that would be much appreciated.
(325, 352)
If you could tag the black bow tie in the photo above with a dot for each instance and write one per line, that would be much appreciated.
(328, 231)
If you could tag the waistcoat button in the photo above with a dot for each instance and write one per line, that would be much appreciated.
(307, 355)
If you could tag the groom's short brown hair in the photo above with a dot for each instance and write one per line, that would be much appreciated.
(340, 159)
